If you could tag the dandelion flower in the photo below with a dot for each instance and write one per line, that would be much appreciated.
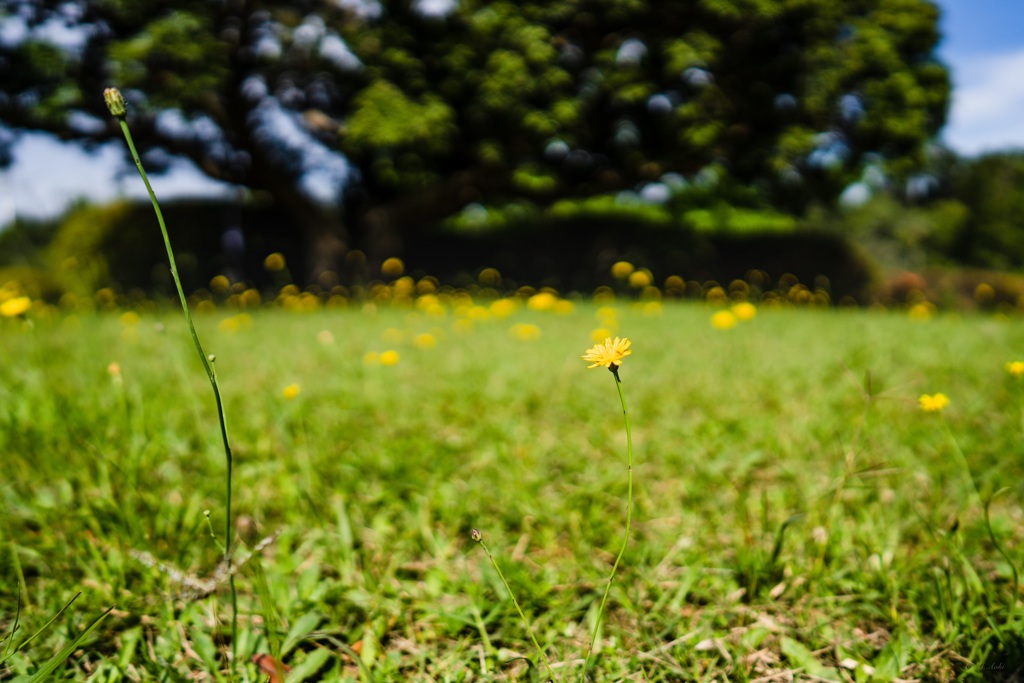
(502, 308)
(542, 301)
(425, 341)
(291, 391)
(744, 311)
(15, 306)
(723, 320)
(392, 267)
(1015, 368)
(639, 279)
(622, 269)
(525, 331)
(274, 262)
(609, 353)
(389, 357)
(933, 403)
(921, 311)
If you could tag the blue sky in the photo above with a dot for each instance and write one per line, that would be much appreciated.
(983, 46)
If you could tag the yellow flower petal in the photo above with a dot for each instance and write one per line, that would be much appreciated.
(608, 353)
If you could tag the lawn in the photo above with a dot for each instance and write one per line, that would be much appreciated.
(797, 515)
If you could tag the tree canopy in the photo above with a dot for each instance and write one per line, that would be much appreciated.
(364, 117)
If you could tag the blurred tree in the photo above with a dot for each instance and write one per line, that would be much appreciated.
(378, 116)
(991, 187)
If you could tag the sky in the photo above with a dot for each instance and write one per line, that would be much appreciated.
(983, 46)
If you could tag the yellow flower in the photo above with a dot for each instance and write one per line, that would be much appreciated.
(1015, 368)
(525, 331)
(744, 310)
(600, 334)
(291, 391)
(392, 267)
(425, 341)
(274, 262)
(608, 353)
(723, 320)
(542, 301)
(933, 403)
(921, 311)
(622, 269)
(371, 358)
(640, 279)
(502, 308)
(220, 283)
(15, 306)
(389, 357)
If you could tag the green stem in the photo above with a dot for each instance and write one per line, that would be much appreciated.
(211, 374)
(540, 650)
(963, 459)
(1013, 567)
(629, 520)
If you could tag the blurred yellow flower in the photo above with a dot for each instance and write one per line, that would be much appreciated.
(608, 353)
(622, 269)
(600, 334)
(723, 320)
(1015, 368)
(220, 283)
(274, 262)
(542, 301)
(477, 313)
(15, 306)
(639, 279)
(525, 331)
(389, 357)
(744, 310)
(921, 311)
(564, 307)
(652, 308)
(371, 358)
(933, 403)
(325, 337)
(502, 308)
(392, 267)
(425, 341)
(114, 370)
(291, 391)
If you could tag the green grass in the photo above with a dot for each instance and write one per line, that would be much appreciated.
(791, 515)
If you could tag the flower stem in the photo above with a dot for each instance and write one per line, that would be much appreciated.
(479, 539)
(963, 459)
(629, 520)
(211, 374)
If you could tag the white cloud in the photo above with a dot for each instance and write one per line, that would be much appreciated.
(988, 101)
(48, 174)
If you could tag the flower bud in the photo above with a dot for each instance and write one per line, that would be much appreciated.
(115, 102)
(476, 535)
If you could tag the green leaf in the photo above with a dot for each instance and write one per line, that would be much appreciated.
(800, 656)
(59, 658)
(302, 627)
